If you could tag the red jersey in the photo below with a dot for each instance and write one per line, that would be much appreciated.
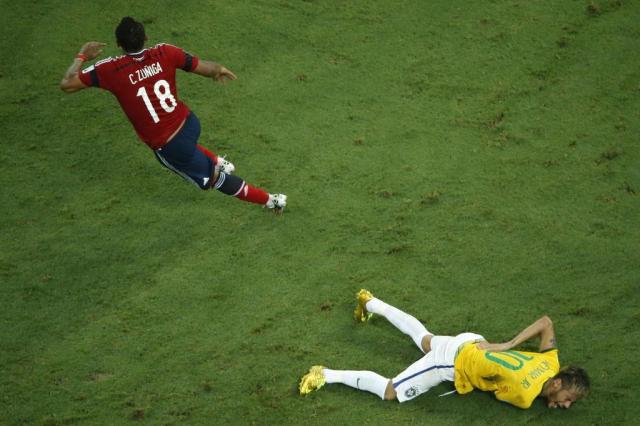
(145, 85)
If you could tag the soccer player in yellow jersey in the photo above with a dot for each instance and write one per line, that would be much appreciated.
(468, 360)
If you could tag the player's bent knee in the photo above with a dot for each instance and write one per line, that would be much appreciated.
(229, 184)
(390, 392)
(426, 343)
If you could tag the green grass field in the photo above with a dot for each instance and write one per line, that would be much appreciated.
(473, 163)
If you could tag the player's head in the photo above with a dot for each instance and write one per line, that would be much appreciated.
(130, 35)
(566, 387)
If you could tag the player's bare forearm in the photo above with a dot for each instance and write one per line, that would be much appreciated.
(71, 76)
(71, 81)
(538, 328)
(213, 70)
(543, 327)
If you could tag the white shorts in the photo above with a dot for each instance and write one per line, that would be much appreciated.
(432, 369)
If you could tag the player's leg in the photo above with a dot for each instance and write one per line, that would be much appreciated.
(368, 381)
(409, 325)
(237, 187)
(227, 184)
(421, 376)
(219, 161)
(183, 156)
(192, 131)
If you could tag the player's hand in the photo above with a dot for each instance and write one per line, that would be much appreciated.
(225, 74)
(92, 49)
(494, 347)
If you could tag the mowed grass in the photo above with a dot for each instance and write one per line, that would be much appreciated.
(475, 164)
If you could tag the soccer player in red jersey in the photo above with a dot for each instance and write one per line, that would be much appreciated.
(143, 81)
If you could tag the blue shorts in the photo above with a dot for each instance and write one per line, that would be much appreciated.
(182, 156)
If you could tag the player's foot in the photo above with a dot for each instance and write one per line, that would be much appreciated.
(225, 166)
(361, 314)
(313, 380)
(277, 202)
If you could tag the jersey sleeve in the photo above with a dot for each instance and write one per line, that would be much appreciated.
(89, 77)
(551, 356)
(98, 74)
(506, 394)
(181, 58)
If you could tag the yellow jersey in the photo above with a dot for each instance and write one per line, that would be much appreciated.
(513, 376)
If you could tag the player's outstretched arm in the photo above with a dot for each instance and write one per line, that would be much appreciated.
(214, 71)
(71, 81)
(542, 327)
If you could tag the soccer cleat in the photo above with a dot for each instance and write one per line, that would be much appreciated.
(313, 380)
(277, 202)
(361, 314)
(225, 166)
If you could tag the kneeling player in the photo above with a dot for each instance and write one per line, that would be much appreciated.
(468, 360)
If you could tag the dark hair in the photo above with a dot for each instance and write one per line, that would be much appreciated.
(576, 379)
(130, 35)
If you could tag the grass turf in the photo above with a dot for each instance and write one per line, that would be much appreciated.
(472, 164)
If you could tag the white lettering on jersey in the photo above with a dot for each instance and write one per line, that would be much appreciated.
(145, 72)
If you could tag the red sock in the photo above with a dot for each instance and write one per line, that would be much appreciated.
(252, 195)
(208, 153)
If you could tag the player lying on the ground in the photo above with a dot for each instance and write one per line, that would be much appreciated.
(468, 360)
(144, 82)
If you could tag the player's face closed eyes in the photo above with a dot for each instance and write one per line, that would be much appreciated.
(561, 399)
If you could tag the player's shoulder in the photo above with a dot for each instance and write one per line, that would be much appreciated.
(165, 46)
(102, 65)
(550, 352)
(107, 62)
